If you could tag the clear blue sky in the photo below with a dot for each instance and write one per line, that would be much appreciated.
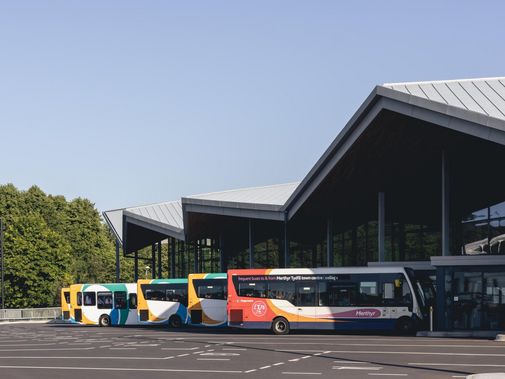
(134, 102)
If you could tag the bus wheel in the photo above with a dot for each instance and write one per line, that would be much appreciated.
(280, 326)
(174, 322)
(405, 325)
(104, 320)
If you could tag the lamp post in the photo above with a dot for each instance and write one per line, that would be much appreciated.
(2, 228)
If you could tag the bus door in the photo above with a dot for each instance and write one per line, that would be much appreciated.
(76, 303)
(306, 296)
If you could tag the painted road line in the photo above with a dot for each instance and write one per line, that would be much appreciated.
(297, 350)
(248, 371)
(94, 358)
(265, 367)
(294, 360)
(456, 364)
(278, 364)
(233, 349)
(305, 357)
(123, 348)
(300, 373)
(351, 362)
(77, 368)
(179, 348)
(51, 349)
(212, 359)
(416, 353)
(384, 374)
(356, 368)
(183, 355)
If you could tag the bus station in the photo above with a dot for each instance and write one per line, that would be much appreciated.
(413, 179)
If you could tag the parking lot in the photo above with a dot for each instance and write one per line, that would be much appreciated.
(62, 351)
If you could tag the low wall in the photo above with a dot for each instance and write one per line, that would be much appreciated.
(30, 314)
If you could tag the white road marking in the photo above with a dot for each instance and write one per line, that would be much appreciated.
(94, 358)
(123, 348)
(297, 350)
(384, 374)
(278, 364)
(248, 371)
(52, 349)
(301, 373)
(120, 369)
(305, 357)
(222, 354)
(456, 364)
(212, 359)
(356, 368)
(415, 353)
(28, 344)
(183, 355)
(179, 348)
(232, 349)
(264, 367)
(294, 360)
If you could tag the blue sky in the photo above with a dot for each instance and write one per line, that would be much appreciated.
(135, 102)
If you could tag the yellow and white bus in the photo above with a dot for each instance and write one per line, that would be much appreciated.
(163, 301)
(103, 304)
(207, 298)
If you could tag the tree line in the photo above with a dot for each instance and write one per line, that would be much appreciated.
(49, 243)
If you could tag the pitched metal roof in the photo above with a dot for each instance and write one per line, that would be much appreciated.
(483, 95)
(472, 106)
(275, 195)
(166, 217)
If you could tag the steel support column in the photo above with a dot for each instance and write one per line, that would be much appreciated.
(286, 245)
(251, 247)
(118, 268)
(160, 267)
(153, 261)
(196, 265)
(329, 243)
(136, 266)
(222, 261)
(445, 205)
(172, 257)
(382, 227)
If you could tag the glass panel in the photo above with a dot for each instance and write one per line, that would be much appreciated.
(306, 294)
(104, 300)
(493, 301)
(467, 300)
(282, 291)
(253, 289)
(132, 301)
(497, 236)
(497, 210)
(79, 298)
(89, 298)
(120, 300)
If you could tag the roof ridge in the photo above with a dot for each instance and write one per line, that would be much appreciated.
(443, 81)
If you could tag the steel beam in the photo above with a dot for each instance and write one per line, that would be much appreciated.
(445, 205)
(381, 219)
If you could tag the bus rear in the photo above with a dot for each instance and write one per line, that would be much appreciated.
(65, 303)
(207, 294)
(163, 301)
(358, 298)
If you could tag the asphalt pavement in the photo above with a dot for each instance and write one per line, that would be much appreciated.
(61, 351)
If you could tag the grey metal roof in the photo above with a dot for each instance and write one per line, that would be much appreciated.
(483, 95)
(169, 213)
(267, 195)
(165, 217)
(471, 106)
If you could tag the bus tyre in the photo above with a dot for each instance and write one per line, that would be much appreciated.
(280, 326)
(104, 321)
(175, 322)
(405, 325)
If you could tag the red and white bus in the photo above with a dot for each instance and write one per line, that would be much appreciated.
(346, 298)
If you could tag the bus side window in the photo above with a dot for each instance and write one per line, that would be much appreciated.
(120, 300)
(90, 298)
(67, 297)
(79, 298)
(305, 294)
(280, 290)
(132, 301)
(104, 300)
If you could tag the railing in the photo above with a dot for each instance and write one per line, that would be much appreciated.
(30, 314)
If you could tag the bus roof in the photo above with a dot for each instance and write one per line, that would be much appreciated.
(322, 270)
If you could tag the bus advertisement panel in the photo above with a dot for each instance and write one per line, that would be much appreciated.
(65, 303)
(361, 298)
(207, 294)
(163, 301)
(104, 304)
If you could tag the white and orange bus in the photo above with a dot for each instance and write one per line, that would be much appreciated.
(207, 295)
(347, 298)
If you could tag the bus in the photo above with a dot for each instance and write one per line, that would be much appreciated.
(347, 298)
(104, 304)
(163, 302)
(65, 303)
(207, 294)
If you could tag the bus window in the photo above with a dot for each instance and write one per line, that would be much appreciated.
(79, 298)
(67, 297)
(178, 295)
(210, 288)
(104, 300)
(396, 291)
(337, 295)
(369, 294)
(252, 289)
(155, 294)
(132, 301)
(306, 294)
(120, 300)
(89, 298)
(281, 290)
